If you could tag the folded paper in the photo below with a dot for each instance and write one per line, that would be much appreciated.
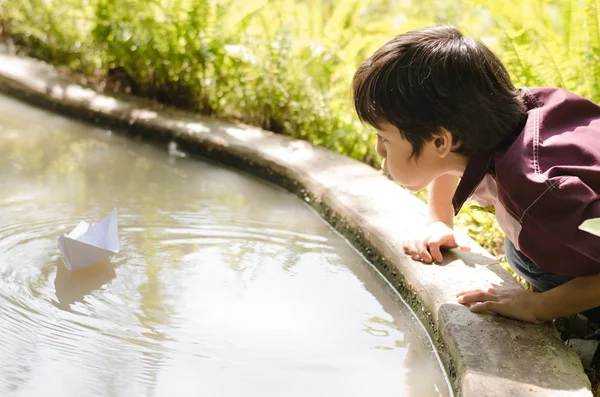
(90, 243)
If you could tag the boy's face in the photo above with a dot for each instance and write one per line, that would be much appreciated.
(414, 174)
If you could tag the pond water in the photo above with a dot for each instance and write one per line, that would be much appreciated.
(225, 285)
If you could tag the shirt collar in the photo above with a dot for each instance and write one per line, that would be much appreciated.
(478, 166)
(476, 169)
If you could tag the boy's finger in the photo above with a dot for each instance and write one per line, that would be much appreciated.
(484, 307)
(409, 247)
(412, 250)
(480, 296)
(422, 256)
(434, 249)
(422, 252)
(468, 291)
(462, 242)
(426, 256)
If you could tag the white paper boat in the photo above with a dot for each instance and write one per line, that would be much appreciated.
(89, 243)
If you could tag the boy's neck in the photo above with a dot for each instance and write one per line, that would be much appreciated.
(456, 164)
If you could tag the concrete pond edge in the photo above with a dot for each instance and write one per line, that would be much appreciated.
(483, 354)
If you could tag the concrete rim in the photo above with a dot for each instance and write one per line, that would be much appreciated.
(484, 355)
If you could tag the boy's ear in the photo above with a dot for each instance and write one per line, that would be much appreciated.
(443, 142)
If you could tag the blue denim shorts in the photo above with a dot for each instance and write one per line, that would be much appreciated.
(541, 279)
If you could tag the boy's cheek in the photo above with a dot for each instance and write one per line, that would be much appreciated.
(378, 148)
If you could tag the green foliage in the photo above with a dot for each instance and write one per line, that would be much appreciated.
(286, 65)
(481, 225)
(544, 43)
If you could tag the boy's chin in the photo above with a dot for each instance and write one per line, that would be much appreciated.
(412, 189)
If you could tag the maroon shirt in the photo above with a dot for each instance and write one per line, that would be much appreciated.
(546, 183)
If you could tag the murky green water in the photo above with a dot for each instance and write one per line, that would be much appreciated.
(224, 286)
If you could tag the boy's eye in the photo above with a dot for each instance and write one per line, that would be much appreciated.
(381, 139)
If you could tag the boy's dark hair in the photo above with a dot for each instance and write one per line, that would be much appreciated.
(436, 77)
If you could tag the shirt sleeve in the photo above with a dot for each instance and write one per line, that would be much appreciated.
(552, 233)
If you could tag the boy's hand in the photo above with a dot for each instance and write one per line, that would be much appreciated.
(517, 303)
(437, 235)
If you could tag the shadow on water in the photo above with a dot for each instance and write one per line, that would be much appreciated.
(74, 285)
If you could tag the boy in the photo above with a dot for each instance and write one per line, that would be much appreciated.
(445, 108)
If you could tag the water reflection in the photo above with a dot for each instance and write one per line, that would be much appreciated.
(224, 285)
(74, 286)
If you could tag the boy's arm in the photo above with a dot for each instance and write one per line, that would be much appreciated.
(439, 232)
(440, 193)
(575, 296)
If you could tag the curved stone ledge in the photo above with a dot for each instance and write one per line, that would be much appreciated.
(485, 355)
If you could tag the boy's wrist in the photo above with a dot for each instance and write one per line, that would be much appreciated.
(431, 221)
(436, 214)
(542, 311)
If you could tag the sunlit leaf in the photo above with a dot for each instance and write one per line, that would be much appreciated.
(591, 226)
